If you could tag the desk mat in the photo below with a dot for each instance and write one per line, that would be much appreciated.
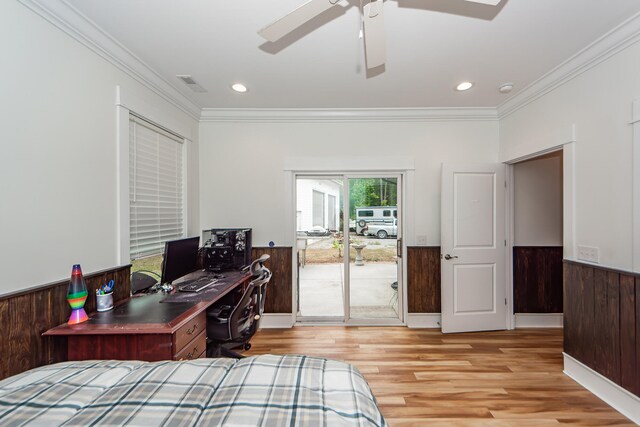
(208, 294)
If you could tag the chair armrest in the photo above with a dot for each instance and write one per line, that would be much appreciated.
(220, 312)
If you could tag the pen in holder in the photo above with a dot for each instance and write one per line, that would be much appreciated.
(104, 302)
(104, 297)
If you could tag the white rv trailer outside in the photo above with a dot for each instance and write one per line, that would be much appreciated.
(378, 214)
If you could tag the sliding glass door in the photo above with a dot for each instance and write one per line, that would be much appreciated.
(349, 261)
(374, 265)
(320, 251)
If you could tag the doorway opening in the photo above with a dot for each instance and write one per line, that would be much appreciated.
(538, 240)
(349, 248)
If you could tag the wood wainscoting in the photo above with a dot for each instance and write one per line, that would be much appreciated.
(423, 279)
(537, 279)
(26, 314)
(279, 291)
(602, 321)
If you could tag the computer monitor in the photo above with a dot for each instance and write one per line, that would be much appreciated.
(180, 258)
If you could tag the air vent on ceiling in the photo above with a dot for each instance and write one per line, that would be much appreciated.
(192, 84)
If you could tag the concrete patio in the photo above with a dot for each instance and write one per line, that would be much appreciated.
(321, 290)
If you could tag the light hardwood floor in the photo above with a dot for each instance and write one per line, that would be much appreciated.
(424, 378)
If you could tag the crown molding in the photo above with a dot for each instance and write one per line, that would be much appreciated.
(347, 114)
(68, 19)
(613, 42)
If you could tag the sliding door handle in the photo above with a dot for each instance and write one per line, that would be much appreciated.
(399, 248)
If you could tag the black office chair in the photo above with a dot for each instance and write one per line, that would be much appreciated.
(230, 326)
(143, 280)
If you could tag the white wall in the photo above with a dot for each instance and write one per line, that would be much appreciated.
(537, 188)
(58, 167)
(248, 187)
(599, 103)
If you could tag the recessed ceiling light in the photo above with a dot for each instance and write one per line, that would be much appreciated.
(239, 87)
(464, 86)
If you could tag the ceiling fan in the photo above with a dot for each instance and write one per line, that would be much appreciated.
(372, 23)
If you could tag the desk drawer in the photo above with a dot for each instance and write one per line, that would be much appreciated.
(188, 332)
(194, 349)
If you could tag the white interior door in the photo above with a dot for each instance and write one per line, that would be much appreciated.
(473, 248)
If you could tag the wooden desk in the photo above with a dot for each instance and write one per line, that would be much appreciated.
(145, 328)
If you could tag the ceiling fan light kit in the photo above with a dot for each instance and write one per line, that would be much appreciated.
(373, 23)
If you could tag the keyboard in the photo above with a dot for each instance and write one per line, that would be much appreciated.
(197, 285)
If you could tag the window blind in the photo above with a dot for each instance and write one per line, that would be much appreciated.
(156, 202)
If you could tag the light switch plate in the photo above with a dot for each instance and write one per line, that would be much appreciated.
(588, 253)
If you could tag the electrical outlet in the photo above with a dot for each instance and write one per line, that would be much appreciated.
(588, 253)
(421, 240)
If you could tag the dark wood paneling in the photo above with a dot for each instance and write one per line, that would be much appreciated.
(606, 341)
(586, 319)
(537, 279)
(279, 290)
(602, 317)
(423, 279)
(27, 314)
(629, 375)
(636, 389)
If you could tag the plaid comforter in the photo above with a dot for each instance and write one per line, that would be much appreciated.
(256, 391)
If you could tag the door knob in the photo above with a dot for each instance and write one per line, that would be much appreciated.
(448, 257)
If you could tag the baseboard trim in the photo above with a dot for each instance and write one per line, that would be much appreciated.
(620, 399)
(538, 320)
(422, 320)
(276, 320)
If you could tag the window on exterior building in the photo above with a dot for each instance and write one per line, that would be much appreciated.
(318, 208)
(331, 214)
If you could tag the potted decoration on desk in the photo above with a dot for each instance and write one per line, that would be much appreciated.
(77, 296)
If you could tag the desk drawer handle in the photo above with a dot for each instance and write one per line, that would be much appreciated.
(192, 330)
(193, 353)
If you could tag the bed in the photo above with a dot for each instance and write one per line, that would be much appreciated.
(262, 390)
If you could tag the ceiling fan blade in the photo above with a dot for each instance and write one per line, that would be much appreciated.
(489, 2)
(374, 38)
(296, 18)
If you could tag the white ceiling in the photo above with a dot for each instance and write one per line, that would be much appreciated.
(431, 46)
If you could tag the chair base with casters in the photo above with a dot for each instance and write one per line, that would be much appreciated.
(232, 326)
(218, 343)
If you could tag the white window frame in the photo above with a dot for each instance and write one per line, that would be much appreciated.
(166, 139)
(127, 103)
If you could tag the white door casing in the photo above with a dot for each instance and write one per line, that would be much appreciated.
(473, 238)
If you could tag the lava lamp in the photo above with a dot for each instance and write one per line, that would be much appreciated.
(76, 296)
